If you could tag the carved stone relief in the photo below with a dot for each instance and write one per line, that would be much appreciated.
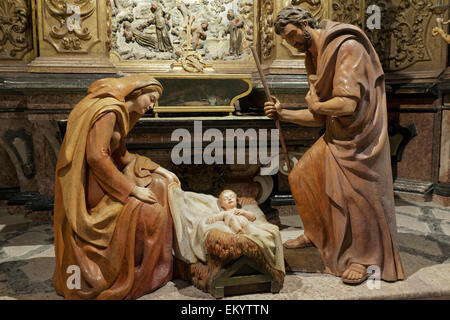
(220, 30)
(15, 29)
(401, 41)
(67, 29)
(348, 11)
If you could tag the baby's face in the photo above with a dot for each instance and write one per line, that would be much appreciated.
(228, 200)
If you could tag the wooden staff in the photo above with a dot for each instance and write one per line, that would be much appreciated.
(269, 99)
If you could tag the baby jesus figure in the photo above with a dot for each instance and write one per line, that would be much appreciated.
(237, 219)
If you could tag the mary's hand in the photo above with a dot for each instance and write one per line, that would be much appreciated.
(144, 194)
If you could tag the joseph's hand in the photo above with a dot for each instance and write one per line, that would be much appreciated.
(273, 108)
(312, 99)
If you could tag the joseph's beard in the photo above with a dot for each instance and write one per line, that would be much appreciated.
(306, 44)
(301, 49)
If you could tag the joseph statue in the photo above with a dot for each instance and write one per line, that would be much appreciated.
(342, 186)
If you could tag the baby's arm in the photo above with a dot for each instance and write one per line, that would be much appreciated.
(249, 215)
(216, 217)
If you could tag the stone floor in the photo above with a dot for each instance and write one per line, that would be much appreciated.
(27, 262)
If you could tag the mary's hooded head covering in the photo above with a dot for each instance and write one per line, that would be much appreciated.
(105, 95)
(120, 88)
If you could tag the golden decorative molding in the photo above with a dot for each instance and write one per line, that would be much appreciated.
(267, 28)
(438, 31)
(348, 11)
(404, 41)
(67, 33)
(74, 36)
(16, 39)
(190, 90)
(108, 26)
(316, 7)
(439, 11)
(190, 60)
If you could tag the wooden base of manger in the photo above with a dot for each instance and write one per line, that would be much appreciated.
(235, 266)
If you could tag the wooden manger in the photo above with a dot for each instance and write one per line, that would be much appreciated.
(235, 266)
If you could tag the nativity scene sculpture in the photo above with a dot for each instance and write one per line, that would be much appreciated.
(125, 222)
(118, 215)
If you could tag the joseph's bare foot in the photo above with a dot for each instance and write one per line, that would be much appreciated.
(301, 241)
(355, 274)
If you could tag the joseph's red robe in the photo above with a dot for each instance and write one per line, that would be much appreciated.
(343, 186)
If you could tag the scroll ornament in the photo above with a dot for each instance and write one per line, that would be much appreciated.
(14, 24)
(70, 16)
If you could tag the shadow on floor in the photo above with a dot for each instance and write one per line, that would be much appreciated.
(27, 279)
(416, 251)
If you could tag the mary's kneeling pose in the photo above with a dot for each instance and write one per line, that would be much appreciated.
(111, 217)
